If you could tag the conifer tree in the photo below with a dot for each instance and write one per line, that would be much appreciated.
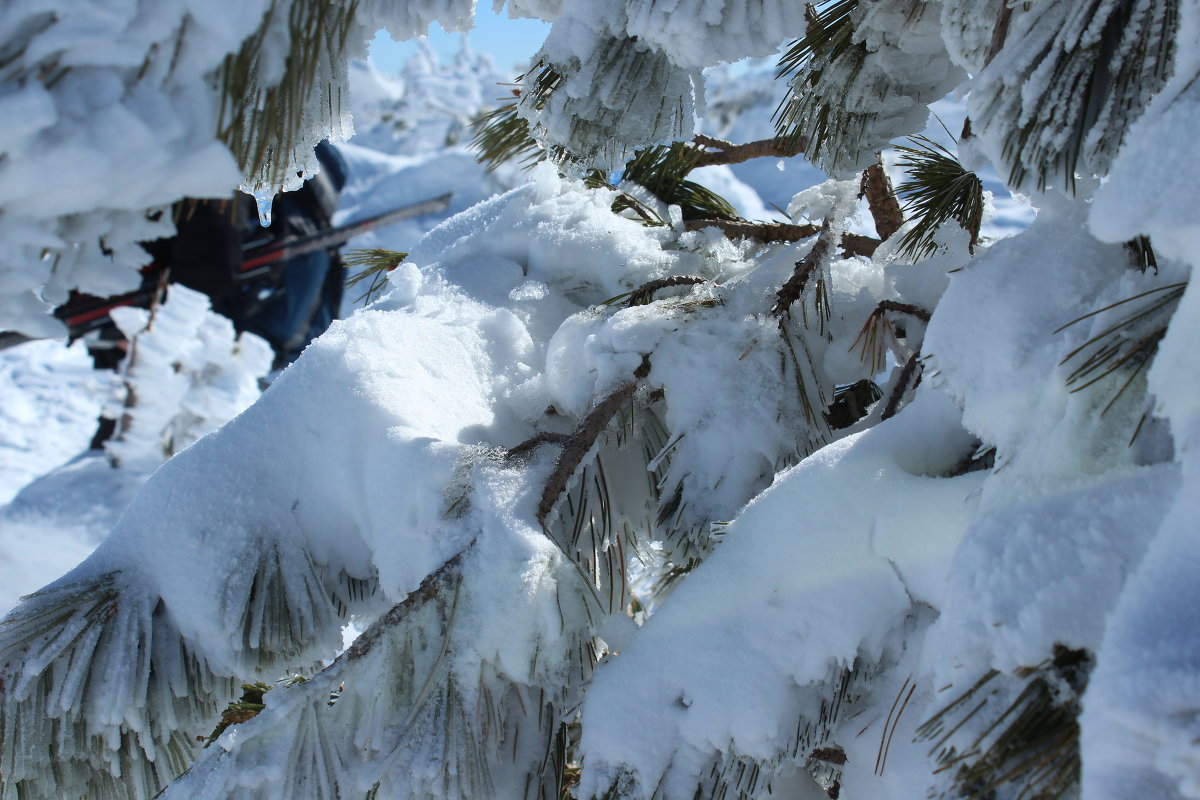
(577, 574)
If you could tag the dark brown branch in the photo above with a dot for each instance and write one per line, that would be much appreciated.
(860, 245)
(902, 385)
(529, 445)
(730, 153)
(881, 199)
(794, 286)
(762, 231)
(645, 293)
(771, 232)
(831, 755)
(999, 32)
(430, 587)
(904, 308)
(577, 445)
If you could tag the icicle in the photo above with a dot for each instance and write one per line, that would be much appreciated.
(263, 198)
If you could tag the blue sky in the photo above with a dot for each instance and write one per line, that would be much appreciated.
(508, 40)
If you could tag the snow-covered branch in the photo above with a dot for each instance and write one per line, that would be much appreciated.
(723, 152)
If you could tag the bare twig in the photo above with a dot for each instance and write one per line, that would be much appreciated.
(794, 286)
(529, 445)
(859, 245)
(769, 232)
(999, 32)
(730, 153)
(577, 445)
(904, 308)
(762, 231)
(906, 378)
(429, 588)
(881, 199)
(645, 293)
(831, 755)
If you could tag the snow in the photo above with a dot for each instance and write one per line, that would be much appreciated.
(51, 401)
(816, 577)
(1145, 175)
(804, 583)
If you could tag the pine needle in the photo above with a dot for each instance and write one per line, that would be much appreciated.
(1031, 743)
(809, 111)
(1125, 347)
(828, 34)
(265, 126)
(376, 263)
(1093, 87)
(938, 189)
(500, 135)
(663, 171)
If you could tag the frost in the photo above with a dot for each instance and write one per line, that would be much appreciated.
(827, 587)
(187, 375)
(850, 101)
(117, 113)
(703, 33)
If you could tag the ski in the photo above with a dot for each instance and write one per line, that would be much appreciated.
(258, 260)
(84, 313)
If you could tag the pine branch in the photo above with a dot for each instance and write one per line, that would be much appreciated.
(908, 377)
(663, 171)
(877, 333)
(485, 728)
(881, 199)
(938, 189)
(581, 440)
(1090, 76)
(266, 126)
(726, 775)
(501, 135)
(376, 263)
(645, 293)
(779, 232)
(793, 288)
(534, 442)
(760, 231)
(433, 584)
(1030, 738)
(1126, 347)
(729, 153)
(904, 308)
(859, 245)
(813, 110)
(999, 32)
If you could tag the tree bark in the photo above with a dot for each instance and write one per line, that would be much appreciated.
(881, 199)
(730, 153)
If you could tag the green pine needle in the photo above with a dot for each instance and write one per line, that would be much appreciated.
(663, 171)
(1092, 90)
(543, 84)
(938, 189)
(1125, 348)
(500, 135)
(376, 264)
(265, 126)
(828, 34)
(807, 111)
(1029, 745)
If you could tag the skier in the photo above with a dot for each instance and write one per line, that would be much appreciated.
(306, 294)
(295, 300)
(289, 304)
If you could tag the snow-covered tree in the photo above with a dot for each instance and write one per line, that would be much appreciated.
(631, 497)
